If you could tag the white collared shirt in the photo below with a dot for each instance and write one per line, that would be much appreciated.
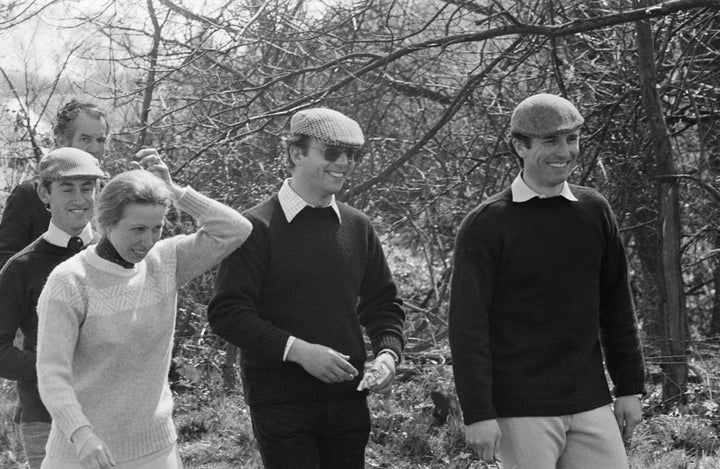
(58, 237)
(521, 192)
(292, 204)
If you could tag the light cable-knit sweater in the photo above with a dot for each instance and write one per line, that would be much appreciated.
(106, 334)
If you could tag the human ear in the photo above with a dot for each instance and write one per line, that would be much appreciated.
(43, 193)
(296, 155)
(518, 145)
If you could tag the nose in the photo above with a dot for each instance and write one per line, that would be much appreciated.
(149, 239)
(96, 149)
(82, 199)
(565, 149)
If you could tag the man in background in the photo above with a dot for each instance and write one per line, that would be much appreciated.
(539, 294)
(67, 184)
(79, 125)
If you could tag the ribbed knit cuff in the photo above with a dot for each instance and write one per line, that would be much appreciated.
(630, 390)
(273, 342)
(478, 415)
(192, 202)
(70, 420)
(388, 341)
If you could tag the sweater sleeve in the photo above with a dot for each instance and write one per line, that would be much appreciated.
(15, 364)
(380, 309)
(222, 230)
(60, 315)
(618, 323)
(471, 291)
(233, 312)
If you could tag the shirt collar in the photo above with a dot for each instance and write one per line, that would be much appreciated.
(292, 204)
(58, 237)
(521, 192)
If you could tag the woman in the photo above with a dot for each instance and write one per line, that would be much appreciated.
(106, 322)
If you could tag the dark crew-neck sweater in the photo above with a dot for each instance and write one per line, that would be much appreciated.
(537, 288)
(314, 278)
(21, 281)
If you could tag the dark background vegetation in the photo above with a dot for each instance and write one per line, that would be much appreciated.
(213, 84)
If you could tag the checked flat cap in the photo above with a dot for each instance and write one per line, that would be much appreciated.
(68, 163)
(327, 126)
(545, 114)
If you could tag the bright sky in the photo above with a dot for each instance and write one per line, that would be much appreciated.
(43, 42)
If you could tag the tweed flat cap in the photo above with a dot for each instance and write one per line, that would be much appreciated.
(69, 163)
(545, 114)
(327, 126)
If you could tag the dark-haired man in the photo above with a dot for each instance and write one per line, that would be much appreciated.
(295, 298)
(79, 125)
(539, 295)
(67, 184)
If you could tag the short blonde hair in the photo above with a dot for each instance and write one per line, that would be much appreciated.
(131, 187)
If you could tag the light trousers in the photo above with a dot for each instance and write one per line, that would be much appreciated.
(587, 440)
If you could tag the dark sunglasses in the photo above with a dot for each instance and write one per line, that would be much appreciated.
(332, 153)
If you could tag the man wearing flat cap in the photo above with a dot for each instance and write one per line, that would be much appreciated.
(80, 125)
(295, 298)
(539, 294)
(67, 184)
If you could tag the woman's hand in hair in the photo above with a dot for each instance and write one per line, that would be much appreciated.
(149, 159)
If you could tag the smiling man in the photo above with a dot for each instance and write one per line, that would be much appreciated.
(539, 294)
(67, 182)
(79, 125)
(294, 298)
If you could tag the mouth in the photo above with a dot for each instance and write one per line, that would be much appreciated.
(559, 165)
(336, 174)
(78, 211)
(139, 252)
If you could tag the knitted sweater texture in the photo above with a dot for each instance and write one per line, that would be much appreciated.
(105, 335)
(21, 281)
(539, 291)
(313, 278)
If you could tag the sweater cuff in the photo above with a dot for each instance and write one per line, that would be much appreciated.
(69, 420)
(273, 342)
(192, 202)
(630, 390)
(391, 342)
(478, 415)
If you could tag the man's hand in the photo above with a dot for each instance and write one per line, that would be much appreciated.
(628, 413)
(324, 363)
(92, 452)
(379, 375)
(484, 438)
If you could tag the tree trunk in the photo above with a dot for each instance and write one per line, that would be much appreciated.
(671, 298)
